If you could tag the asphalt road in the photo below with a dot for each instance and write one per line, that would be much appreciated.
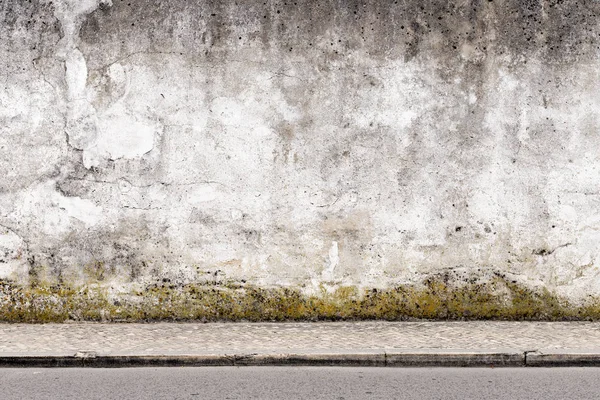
(301, 383)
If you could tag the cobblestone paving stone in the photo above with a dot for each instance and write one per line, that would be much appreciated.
(223, 338)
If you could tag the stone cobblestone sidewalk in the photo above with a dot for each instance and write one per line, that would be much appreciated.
(235, 338)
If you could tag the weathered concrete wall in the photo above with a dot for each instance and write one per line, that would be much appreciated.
(302, 143)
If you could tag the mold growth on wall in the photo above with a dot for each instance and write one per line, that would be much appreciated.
(300, 144)
(435, 298)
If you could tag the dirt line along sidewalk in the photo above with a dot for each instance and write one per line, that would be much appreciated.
(330, 343)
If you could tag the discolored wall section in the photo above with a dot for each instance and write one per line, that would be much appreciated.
(304, 144)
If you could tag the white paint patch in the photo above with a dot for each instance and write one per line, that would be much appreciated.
(81, 209)
(12, 253)
(202, 194)
(334, 259)
(76, 74)
(53, 213)
(472, 98)
(124, 136)
(236, 214)
(117, 74)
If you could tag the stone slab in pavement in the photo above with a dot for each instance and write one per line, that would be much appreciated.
(377, 343)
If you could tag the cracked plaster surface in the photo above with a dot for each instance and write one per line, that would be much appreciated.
(115, 132)
(277, 146)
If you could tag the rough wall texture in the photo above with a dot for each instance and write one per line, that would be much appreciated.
(303, 143)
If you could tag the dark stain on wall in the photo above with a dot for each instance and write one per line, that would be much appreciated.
(556, 30)
(28, 31)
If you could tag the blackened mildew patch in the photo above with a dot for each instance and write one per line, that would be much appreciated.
(30, 30)
(31, 15)
(555, 30)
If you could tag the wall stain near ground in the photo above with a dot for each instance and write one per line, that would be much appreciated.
(433, 299)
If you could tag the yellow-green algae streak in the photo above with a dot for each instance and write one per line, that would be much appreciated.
(498, 299)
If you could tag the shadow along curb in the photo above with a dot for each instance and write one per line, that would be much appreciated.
(408, 358)
(371, 359)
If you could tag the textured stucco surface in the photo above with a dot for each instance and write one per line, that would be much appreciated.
(363, 143)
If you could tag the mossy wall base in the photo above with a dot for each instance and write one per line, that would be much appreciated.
(433, 299)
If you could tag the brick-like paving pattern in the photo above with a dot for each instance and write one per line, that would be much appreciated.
(223, 338)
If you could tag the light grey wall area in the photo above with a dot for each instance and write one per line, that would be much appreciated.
(300, 143)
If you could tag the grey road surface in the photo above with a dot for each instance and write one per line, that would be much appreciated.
(301, 383)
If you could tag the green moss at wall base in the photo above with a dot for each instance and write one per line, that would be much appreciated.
(434, 299)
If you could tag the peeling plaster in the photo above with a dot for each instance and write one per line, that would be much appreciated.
(109, 135)
(81, 119)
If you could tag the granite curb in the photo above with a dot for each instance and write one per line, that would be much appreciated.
(366, 358)
(563, 358)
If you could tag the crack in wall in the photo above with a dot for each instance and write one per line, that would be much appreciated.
(116, 182)
(547, 252)
(136, 53)
(35, 62)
